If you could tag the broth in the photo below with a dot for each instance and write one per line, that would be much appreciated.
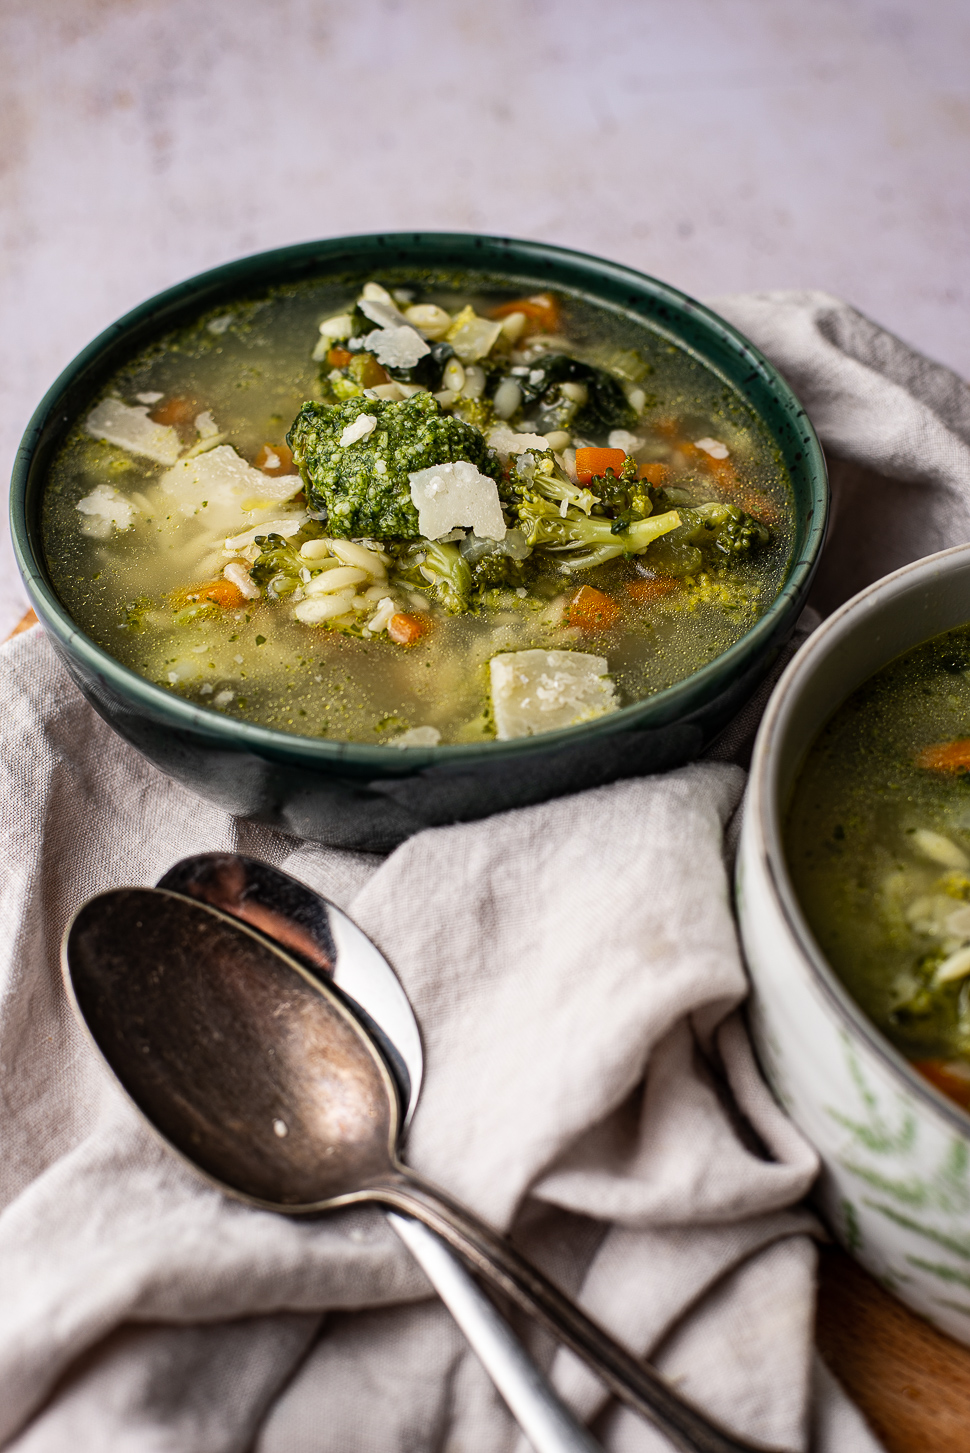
(878, 841)
(219, 595)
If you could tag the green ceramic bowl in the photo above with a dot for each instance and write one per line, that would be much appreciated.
(346, 793)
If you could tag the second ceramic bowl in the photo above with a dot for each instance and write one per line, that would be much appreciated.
(896, 1154)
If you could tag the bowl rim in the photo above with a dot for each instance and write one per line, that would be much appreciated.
(765, 809)
(674, 703)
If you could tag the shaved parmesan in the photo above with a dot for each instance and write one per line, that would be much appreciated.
(363, 425)
(506, 441)
(471, 336)
(379, 621)
(540, 691)
(397, 347)
(221, 477)
(237, 574)
(447, 495)
(129, 426)
(105, 510)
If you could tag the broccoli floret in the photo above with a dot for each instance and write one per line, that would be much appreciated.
(363, 487)
(446, 571)
(556, 515)
(625, 495)
(495, 569)
(539, 472)
(723, 528)
(621, 515)
(709, 535)
(278, 566)
(496, 562)
(735, 532)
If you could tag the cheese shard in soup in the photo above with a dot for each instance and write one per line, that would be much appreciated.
(417, 511)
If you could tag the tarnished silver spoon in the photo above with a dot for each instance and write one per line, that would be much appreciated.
(261, 1077)
(322, 937)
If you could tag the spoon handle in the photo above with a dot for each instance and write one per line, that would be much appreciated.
(545, 1420)
(636, 1383)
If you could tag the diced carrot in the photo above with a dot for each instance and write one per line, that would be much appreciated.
(219, 592)
(945, 756)
(175, 411)
(275, 459)
(592, 609)
(655, 474)
(951, 1079)
(668, 426)
(645, 591)
(541, 308)
(24, 624)
(590, 463)
(224, 593)
(339, 357)
(407, 630)
(367, 371)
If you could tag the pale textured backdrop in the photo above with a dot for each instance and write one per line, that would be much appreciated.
(721, 144)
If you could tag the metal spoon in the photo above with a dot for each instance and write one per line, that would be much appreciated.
(261, 1077)
(326, 941)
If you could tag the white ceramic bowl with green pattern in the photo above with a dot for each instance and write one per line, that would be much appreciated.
(895, 1185)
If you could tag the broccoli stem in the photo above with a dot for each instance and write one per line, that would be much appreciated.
(585, 542)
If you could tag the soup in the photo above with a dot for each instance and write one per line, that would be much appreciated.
(878, 842)
(409, 512)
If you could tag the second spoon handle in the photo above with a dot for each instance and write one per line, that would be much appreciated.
(636, 1383)
(544, 1419)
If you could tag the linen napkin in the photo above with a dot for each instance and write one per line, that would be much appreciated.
(589, 1084)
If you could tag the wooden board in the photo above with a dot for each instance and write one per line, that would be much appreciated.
(911, 1382)
(24, 624)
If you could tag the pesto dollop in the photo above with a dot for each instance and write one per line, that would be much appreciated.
(364, 486)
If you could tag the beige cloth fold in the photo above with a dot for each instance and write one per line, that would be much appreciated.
(589, 1083)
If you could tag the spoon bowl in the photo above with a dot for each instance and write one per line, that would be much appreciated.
(253, 1069)
(320, 936)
